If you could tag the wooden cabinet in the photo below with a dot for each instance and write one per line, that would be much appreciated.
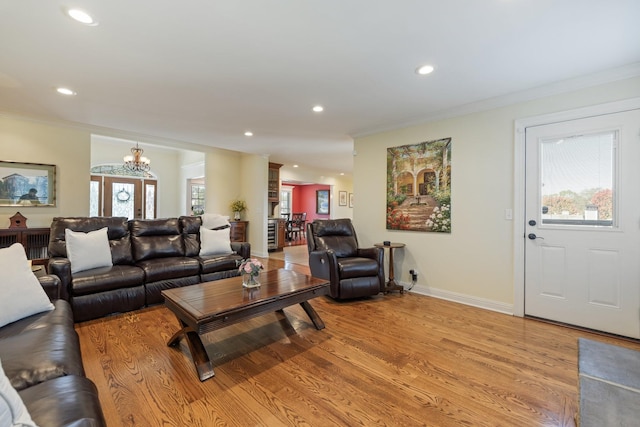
(274, 182)
(34, 240)
(239, 231)
(282, 230)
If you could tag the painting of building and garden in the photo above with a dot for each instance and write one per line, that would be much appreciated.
(419, 186)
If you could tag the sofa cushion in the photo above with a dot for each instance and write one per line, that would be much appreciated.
(169, 268)
(41, 354)
(65, 401)
(60, 315)
(12, 409)
(22, 295)
(357, 267)
(157, 238)
(118, 233)
(216, 263)
(215, 242)
(105, 279)
(337, 235)
(88, 250)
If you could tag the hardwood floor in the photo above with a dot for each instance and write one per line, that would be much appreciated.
(396, 360)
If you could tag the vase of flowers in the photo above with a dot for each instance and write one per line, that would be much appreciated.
(238, 206)
(250, 271)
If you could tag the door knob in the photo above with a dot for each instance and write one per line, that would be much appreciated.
(532, 236)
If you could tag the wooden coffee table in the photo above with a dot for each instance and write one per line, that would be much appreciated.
(209, 306)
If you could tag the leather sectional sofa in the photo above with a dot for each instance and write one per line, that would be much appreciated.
(41, 358)
(148, 256)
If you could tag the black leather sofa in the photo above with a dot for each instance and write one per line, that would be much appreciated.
(41, 357)
(148, 256)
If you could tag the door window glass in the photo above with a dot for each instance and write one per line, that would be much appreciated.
(150, 201)
(123, 198)
(577, 185)
(94, 198)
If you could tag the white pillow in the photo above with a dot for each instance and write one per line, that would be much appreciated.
(21, 293)
(215, 242)
(88, 250)
(12, 409)
(214, 221)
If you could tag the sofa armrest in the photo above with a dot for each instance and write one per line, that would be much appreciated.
(61, 267)
(376, 254)
(324, 265)
(51, 285)
(242, 248)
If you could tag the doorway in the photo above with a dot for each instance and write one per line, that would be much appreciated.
(580, 237)
(123, 196)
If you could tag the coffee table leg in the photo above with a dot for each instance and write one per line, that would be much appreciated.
(198, 352)
(315, 318)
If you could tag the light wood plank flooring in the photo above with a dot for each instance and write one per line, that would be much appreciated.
(394, 360)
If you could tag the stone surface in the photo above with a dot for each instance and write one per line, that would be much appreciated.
(609, 384)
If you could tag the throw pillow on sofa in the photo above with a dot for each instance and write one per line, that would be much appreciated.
(215, 242)
(22, 295)
(12, 409)
(88, 250)
(211, 221)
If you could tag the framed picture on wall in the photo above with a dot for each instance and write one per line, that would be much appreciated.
(322, 202)
(350, 200)
(342, 198)
(27, 184)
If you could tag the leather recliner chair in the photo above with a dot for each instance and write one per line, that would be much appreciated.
(334, 255)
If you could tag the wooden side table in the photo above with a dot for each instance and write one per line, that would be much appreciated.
(391, 283)
(238, 231)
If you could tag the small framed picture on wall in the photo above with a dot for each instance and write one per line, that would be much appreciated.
(350, 200)
(342, 198)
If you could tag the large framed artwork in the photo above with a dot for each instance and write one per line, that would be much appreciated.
(322, 202)
(419, 187)
(27, 184)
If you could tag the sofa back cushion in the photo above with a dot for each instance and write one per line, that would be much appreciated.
(156, 238)
(190, 228)
(118, 234)
(335, 234)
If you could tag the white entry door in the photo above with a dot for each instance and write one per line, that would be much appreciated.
(582, 225)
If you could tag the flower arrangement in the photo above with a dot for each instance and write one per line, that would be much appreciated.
(250, 269)
(238, 205)
(250, 266)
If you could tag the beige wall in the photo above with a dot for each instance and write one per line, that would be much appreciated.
(473, 264)
(66, 147)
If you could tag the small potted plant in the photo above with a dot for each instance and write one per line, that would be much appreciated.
(237, 206)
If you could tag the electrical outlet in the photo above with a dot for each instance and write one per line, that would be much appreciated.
(414, 275)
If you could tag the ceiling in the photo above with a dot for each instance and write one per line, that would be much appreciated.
(205, 71)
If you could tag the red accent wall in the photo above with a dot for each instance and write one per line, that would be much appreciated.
(304, 200)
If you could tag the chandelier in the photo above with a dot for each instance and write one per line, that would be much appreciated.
(136, 162)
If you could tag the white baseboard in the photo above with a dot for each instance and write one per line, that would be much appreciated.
(487, 304)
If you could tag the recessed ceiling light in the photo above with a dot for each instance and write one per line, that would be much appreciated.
(318, 108)
(248, 133)
(65, 91)
(81, 16)
(425, 69)
(295, 166)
